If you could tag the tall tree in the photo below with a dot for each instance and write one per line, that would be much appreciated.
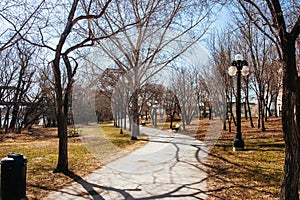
(220, 51)
(71, 29)
(63, 94)
(283, 23)
(158, 37)
(184, 89)
(17, 92)
(24, 81)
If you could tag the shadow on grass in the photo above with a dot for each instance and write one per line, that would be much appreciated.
(251, 174)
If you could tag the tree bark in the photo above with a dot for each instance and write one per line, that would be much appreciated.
(263, 128)
(0, 117)
(62, 164)
(291, 90)
(250, 114)
(135, 115)
(289, 184)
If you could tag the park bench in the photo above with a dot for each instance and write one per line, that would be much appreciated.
(176, 127)
(143, 123)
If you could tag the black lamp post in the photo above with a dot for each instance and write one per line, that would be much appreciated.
(239, 66)
(155, 113)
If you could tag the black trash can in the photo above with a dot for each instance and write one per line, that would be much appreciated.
(13, 177)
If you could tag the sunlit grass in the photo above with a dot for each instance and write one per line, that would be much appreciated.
(42, 159)
(251, 174)
(41, 150)
(113, 134)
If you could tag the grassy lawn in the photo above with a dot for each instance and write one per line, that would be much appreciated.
(251, 174)
(40, 147)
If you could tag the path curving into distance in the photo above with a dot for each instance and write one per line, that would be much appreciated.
(169, 166)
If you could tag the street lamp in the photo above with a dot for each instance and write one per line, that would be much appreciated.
(239, 66)
(155, 113)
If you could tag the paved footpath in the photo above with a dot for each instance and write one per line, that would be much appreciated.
(167, 167)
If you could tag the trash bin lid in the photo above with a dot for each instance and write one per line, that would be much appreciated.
(17, 157)
(7, 160)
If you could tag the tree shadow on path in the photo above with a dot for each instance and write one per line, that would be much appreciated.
(90, 187)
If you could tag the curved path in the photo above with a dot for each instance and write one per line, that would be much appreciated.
(167, 167)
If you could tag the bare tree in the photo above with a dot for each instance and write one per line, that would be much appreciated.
(8, 73)
(120, 100)
(63, 94)
(107, 91)
(17, 92)
(152, 100)
(171, 105)
(48, 98)
(258, 47)
(72, 27)
(14, 27)
(24, 81)
(148, 47)
(184, 87)
(221, 52)
(283, 28)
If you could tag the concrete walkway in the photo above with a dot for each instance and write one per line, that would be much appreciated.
(168, 167)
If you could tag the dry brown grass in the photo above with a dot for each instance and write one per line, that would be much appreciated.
(41, 149)
(251, 174)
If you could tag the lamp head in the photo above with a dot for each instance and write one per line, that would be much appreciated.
(238, 57)
(232, 70)
(245, 70)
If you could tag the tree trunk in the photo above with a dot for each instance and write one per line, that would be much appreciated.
(298, 105)
(289, 184)
(135, 116)
(16, 106)
(269, 106)
(115, 118)
(232, 117)
(62, 165)
(266, 109)
(210, 113)
(248, 103)
(250, 114)
(259, 114)
(125, 119)
(6, 119)
(275, 108)
(171, 121)
(183, 117)
(121, 118)
(245, 109)
(0, 118)
(14, 115)
(62, 117)
(263, 128)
